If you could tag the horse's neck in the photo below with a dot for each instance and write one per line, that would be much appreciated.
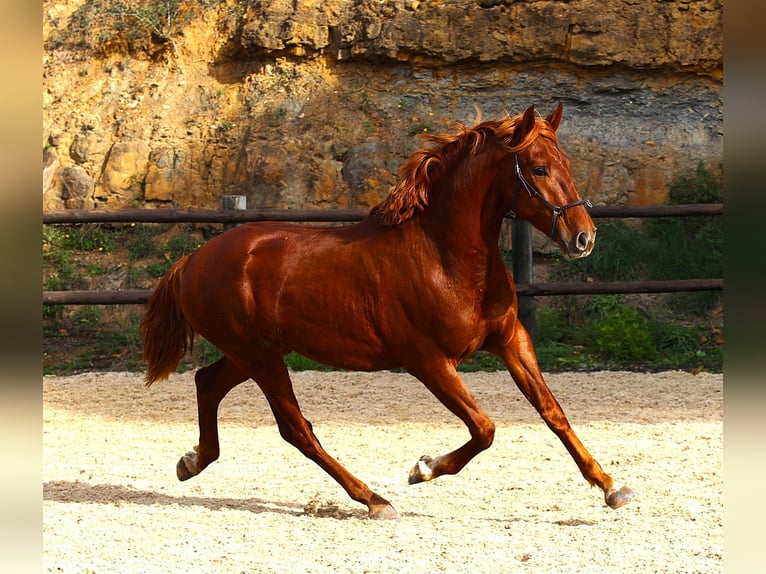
(464, 218)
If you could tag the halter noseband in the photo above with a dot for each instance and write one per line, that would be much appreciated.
(557, 210)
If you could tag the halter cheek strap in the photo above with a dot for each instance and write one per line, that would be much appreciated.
(558, 210)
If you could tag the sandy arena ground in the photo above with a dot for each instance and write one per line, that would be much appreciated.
(112, 502)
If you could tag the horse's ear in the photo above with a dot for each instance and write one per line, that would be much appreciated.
(555, 118)
(526, 125)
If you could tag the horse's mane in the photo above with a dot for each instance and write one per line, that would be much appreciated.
(410, 193)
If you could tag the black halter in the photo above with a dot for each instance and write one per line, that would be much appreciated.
(558, 211)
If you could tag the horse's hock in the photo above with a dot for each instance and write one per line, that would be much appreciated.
(285, 111)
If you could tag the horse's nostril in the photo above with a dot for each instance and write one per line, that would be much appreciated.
(582, 240)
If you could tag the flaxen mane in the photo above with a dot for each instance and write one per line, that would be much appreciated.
(410, 194)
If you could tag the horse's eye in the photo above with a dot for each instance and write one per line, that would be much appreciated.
(540, 171)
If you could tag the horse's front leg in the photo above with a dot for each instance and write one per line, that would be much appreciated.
(521, 360)
(443, 381)
(213, 383)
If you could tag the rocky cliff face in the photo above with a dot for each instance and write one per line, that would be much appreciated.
(316, 103)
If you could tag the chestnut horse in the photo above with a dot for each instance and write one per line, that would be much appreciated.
(418, 284)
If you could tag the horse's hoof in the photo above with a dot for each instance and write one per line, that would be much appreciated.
(421, 472)
(187, 466)
(615, 498)
(384, 512)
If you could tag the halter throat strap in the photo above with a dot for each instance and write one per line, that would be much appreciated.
(558, 210)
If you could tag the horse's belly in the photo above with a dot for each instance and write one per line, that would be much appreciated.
(333, 334)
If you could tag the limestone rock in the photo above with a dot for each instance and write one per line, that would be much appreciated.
(166, 173)
(123, 174)
(87, 147)
(369, 170)
(318, 102)
(77, 187)
(51, 166)
(589, 32)
(282, 24)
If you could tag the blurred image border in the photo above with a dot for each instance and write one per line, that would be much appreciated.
(745, 285)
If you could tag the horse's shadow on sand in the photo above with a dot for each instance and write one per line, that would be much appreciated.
(84, 493)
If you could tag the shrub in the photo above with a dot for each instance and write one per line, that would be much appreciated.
(298, 362)
(689, 247)
(138, 239)
(179, 246)
(88, 237)
(157, 270)
(550, 325)
(619, 255)
(87, 316)
(624, 335)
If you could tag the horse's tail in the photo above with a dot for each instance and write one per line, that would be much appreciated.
(165, 333)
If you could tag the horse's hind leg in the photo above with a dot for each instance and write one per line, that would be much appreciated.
(520, 358)
(213, 383)
(295, 429)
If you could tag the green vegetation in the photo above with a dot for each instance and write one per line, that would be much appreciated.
(104, 256)
(421, 128)
(98, 23)
(635, 332)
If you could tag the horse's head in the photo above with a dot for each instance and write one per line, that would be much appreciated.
(543, 192)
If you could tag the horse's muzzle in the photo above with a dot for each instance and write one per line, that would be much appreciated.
(581, 245)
